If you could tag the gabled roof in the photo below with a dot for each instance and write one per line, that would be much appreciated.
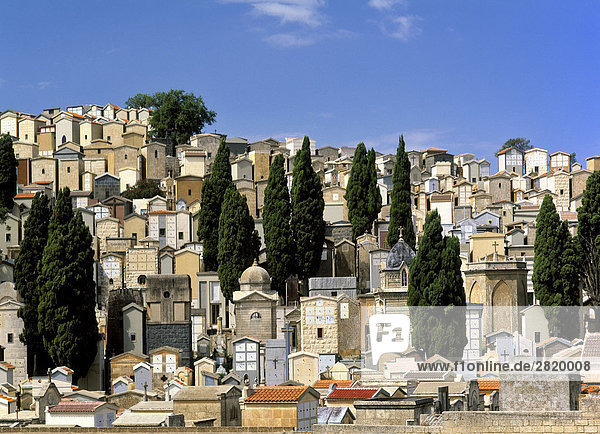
(281, 394)
(79, 407)
(355, 393)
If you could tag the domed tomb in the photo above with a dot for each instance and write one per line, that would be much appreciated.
(394, 279)
(400, 253)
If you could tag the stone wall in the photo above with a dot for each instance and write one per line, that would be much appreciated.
(314, 317)
(174, 335)
(270, 415)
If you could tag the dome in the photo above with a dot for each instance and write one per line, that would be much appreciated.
(255, 274)
(400, 253)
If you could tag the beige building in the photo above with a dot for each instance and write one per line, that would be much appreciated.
(108, 227)
(112, 132)
(43, 169)
(304, 367)
(336, 208)
(101, 149)
(282, 407)
(125, 156)
(29, 128)
(140, 262)
(246, 188)
(260, 155)
(15, 352)
(89, 130)
(95, 165)
(221, 403)
(187, 261)
(484, 244)
(25, 150)
(134, 226)
(193, 162)
(154, 160)
(328, 325)
(128, 177)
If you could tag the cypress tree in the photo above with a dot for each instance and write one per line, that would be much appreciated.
(27, 270)
(213, 193)
(374, 202)
(66, 312)
(357, 193)
(555, 275)
(436, 293)
(400, 209)
(307, 222)
(588, 236)
(236, 228)
(8, 175)
(276, 221)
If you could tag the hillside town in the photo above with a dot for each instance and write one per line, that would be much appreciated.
(179, 344)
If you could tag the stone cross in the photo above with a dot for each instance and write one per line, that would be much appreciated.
(495, 244)
(504, 355)
(275, 362)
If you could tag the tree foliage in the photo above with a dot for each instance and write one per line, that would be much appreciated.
(213, 194)
(308, 226)
(66, 313)
(27, 270)
(400, 209)
(277, 213)
(236, 252)
(519, 143)
(375, 202)
(177, 115)
(555, 268)
(436, 293)
(143, 189)
(8, 175)
(589, 237)
(357, 193)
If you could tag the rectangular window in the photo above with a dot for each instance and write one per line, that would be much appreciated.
(189, 192)
(215, 310)
(134, 235)
(537, 337)
(320, 333)
(161, 232)
(324, 255)
(10, 338)
(181, 235)
(8, 237)
(68, 170)
(132, 337)
(215, 289)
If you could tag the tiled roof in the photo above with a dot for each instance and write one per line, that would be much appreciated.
(277, 394)
(324, 384)
(75, 407)
(76, 115)
(8, 365)
(353, 393)
(590, 389)
(488, 384)
(591, 346)
(7, 398)
(24, 195)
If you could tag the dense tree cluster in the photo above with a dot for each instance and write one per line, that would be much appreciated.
(279, 241)
(59, 286)
(435, 281)
(518, 143)
(213, 196)
(588, 234)
(400, 209)
(176, 115)
(143, 189)
(555, 269)
(8, 175)
(307, 221)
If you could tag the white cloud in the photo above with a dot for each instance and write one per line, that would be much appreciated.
(289, 40)
(307, 12)
(43, 84)
(385, 4)
(403, 27)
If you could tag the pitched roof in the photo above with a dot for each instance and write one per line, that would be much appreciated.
(332, 415)
(76, 406)
(24, 196)
(354, 392)
(488, 384)
(591, 346)
(202, 393)
(278, 394)
(324, 384)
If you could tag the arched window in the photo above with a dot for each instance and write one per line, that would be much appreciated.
(110, 281)
(142, 279)
(155, 153)
(404, 278)
(64, 139)
(255, 315)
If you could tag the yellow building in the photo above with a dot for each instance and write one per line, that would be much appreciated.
(187, 261)
(484, 244)
(282, 407)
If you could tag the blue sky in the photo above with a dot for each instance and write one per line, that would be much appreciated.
(465, 75)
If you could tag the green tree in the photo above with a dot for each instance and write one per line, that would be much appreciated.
(519, 143)
(27, 270)
(307, 222)
(573, 158)
(436, 293)
(8, 175)
(236, 228)
(589, 237)
(400, 209)
(374, 202)
(213, 194)
(143, 189)
(357, 193)
(177, 115)
(555, 269)
(277, 213)
(66, 313)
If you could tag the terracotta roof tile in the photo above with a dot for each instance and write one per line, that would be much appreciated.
(353, 393)
(8, 365)
(7, 398)
(24, 195)
(277, 394)
(488, 384)
(324, 384)
(75, 407)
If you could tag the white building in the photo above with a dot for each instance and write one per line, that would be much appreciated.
(89, 414)
(170, 228)
(536, 160)
(294, 144)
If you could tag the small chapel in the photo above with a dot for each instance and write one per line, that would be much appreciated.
(392, 295)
